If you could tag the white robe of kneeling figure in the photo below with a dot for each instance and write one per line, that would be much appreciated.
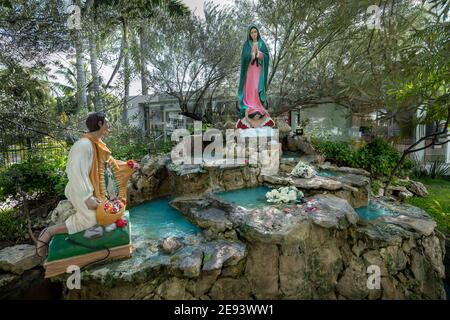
(79, 188)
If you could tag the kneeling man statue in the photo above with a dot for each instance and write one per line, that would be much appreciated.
(97, 186)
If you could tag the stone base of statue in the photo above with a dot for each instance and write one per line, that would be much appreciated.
(80, 251)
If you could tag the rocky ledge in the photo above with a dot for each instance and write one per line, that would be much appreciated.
(191, 271)
(350, 186)
(159, 177)
(279, 252)
(325, 254)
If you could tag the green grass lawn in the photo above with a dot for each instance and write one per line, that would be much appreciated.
(439, 190)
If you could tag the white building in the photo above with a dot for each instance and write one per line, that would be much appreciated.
(155, 113)
(162, 113)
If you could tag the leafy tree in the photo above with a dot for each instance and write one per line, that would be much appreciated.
(193, 59)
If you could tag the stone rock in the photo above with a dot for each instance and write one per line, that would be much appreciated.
(385, 233)
(19, 258)
(60, 214)
(391, 289)
(333, 212)
(408, 245)
(229, 288)
(170, 244)
(424, 226)
(149, 182)
(373, 258)
(403, 195)
(222, 253)
(277, 180)
(202, 285)
(282, 126)
(429, 280)
(6, 279)
(352, 179)
(190, 262)
(233, 179)
(418, 188)
(172, 289)
(293, 283)
(397, 188)
(358, 248)
(191, 182)
(234, 271)
(395, 259)
(27, 286)
(357, 171)
(212, 218)
(316, 183)
(300, 143)
(263, 260)
(325, 266)
(400, 191)
(434, 254)
(353, 283)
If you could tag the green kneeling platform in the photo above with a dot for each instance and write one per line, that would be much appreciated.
(75, 249)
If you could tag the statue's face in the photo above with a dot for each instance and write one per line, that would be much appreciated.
(254, 34)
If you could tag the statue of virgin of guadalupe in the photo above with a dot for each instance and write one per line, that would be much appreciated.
(253, 81)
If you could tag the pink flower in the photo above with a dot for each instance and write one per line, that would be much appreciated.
(133, 164)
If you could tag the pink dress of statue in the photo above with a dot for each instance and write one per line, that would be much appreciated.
(251, 98)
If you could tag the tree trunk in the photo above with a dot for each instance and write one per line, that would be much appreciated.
(94, 71)
(126, 72)
(81, 77)
(117, 67)
(144, 50)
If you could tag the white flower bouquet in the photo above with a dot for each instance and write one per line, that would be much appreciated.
(303, 170)
(284, 195)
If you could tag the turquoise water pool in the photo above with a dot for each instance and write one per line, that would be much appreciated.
(373, 211)
(326, 173)
(246, 197)
(157, 219)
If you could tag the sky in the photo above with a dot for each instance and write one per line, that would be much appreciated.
(196, 6)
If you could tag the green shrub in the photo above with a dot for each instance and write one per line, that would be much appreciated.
(378, 157)
(338, 152)
(131, 143)
(128, 143)
(375, 186)
(163, 147)
(12, 228)
(439, 169)
(43, 171)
